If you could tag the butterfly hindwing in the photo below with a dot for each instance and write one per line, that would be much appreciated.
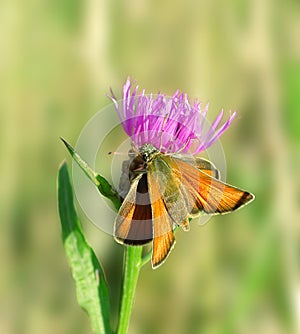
(207, 167)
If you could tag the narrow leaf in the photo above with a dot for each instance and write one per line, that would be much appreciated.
(91, 288)
(99, 181)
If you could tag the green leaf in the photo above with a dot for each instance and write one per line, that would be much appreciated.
(91, 287)
(99, 181)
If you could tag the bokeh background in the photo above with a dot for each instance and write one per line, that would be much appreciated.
(239, 273)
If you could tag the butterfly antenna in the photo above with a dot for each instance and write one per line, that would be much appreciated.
(162, 132)
(134, 149)
(160, 140)
(116, 153)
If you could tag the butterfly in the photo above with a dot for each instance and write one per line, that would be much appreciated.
(165, 192)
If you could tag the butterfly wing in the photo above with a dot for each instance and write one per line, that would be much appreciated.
(207, 167)
(169, 188)
(133, 224)
(163, 235)
(210, 195)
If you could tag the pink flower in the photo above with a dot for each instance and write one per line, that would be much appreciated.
(171, 125)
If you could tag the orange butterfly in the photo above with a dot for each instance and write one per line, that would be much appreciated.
(165, 192)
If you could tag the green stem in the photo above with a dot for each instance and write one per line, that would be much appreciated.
(132, 266)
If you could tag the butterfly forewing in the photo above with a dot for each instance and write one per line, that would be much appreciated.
(168, 181)
(133, 225)
(211, 195)
(163, 235)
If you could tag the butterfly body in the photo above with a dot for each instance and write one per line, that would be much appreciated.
(165, 192)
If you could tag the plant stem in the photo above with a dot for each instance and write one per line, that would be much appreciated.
(132, 266)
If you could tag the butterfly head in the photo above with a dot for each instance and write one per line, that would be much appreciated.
(144, 156)
(148, 152)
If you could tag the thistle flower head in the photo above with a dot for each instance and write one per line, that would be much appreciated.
(171, 124)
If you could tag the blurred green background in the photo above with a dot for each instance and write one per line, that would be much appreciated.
(239, 273)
